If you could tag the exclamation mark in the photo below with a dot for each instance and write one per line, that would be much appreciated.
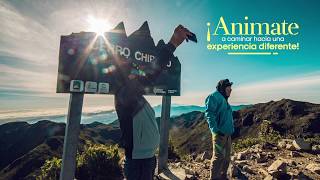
(208, 33)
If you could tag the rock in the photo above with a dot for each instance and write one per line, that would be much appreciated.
(207, 165)
(278, 170)
(205, 155)
(234, 171)
(241, 163)
(300, 144)
(193, 155)
(190, 177)
(242, 155)
(269, 177)
(263, 172)
(282, 176)
(291, 162)
(295, 154)
(290, 147)
(178, 164)
(198, 158)
(256, 148)
(314, 168)
(316, 148)
(265, 164)
(189, 171)
(270, 155)
(276, 166)
(173, 173)
(252, 156)
(267, 145)
(283, 142)
(261, 158)
(302, 176)
(248, 169)
(233, 158)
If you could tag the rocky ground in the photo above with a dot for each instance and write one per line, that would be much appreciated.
(289, 159)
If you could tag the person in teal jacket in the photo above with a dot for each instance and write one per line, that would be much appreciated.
(220, 121)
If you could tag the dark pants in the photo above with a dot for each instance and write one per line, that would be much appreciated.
(140, 169)
(220, 156)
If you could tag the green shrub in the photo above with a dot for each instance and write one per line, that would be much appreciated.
(245, 143)
(97, 161)
(51, 169)
(313, 140)
(172, 151)
(266, 134)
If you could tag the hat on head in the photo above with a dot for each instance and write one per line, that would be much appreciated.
(224, 83)
(221, 86)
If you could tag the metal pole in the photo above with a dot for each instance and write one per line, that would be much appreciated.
(71, 137)
(164, 134)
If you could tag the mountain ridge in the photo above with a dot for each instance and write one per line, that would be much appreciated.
(26, 146)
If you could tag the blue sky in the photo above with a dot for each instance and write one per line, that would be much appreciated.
(31, 29)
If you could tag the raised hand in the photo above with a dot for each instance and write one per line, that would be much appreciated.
(179, 35)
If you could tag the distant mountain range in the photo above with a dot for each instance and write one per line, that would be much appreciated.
(109, 116)
(25, 147)
(177, 110)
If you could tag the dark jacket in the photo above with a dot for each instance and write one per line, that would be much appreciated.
(129, 101)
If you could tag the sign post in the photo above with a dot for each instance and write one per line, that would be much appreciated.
(164, 133)
(99, 64)
(71, 137)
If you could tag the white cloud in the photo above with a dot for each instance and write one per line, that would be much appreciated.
(28, 42)
(26, 38)
(20, 79)
(304, 87)
(13, 115)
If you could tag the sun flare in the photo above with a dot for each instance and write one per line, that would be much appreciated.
(98, 25)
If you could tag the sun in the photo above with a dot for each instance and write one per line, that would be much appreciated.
(98, 26)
